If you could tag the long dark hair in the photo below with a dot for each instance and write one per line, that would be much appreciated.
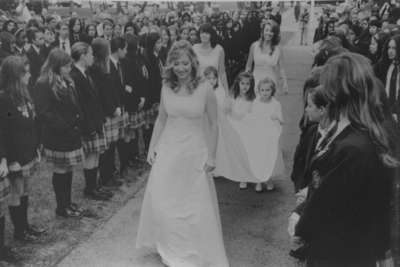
(12, 70)
(357, 95)
(235, 91)
(51, 72)
(101, 53)
(275, 39)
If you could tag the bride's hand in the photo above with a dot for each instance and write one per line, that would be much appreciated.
(209, 166)
(151, 156)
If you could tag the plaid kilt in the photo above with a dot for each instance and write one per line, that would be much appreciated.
(5, 189)
(96, 144)
(26, 171)
(65, 159)
(111, 128)
(136, 120)
(124, 125)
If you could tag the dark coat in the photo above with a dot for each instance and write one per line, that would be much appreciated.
(18, 133)
(153, 93)
(346, 214)
(36, 62)
(89, 102)
(302, 156)
(60, 118)
(135, 77)
(110, 95)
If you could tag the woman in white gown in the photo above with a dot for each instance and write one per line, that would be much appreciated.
(267, 57)
(180, 216)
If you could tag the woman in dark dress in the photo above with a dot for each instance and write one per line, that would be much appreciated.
(60, 118)
(345, 219)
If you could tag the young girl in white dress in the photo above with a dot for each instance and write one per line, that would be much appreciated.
(239, 108)
(263, 148)
(231, 159)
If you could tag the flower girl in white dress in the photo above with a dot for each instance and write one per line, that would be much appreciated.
(231, 161)
(265, 120)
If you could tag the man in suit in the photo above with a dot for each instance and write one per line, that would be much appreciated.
(107, 30)
(35, 55)
(63, 41)
(118, 52)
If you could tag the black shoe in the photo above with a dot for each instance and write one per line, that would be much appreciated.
(35, 230)
(68, 213)
(9, 255)
(105, 191)
(114, 183)
(25, 237)
(96, 195)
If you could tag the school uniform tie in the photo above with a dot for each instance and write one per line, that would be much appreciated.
(63, 46)
(120, 73)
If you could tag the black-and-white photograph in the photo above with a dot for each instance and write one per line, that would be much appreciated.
(199, 133)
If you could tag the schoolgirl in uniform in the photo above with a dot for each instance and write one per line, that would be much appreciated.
(111, 102)
(18, 146)
(61, 119)
(345, 219)
(135, 76)
(94, 141)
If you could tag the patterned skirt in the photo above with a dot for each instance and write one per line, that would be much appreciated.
(5, 189)
(136, 120)
(96, 144)
(64, 158)
(112, 128)
(124, 125)
(20, 181)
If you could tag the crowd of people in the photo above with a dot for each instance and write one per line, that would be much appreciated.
(195, 91)
(345, 165)
(78, 90)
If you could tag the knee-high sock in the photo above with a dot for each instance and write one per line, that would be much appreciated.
(59, 185)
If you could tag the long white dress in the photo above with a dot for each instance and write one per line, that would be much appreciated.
(262, 142)
(180, 215)
(266, 65)
(232, 161)
(207, 58)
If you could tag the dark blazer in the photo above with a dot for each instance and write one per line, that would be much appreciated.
(136, 78)
(74, 38)
(36, 61)
(346, 213)
(89, 102)
(60, 118)
(110, 95)
(155, 81)
(302, 156)
(18, 133)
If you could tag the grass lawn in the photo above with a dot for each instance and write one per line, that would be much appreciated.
(65, 234)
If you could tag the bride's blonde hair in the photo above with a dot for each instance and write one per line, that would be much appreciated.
(178, 49)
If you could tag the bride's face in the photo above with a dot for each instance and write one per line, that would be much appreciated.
(182, 67)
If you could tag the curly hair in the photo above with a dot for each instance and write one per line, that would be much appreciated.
(179, 49)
